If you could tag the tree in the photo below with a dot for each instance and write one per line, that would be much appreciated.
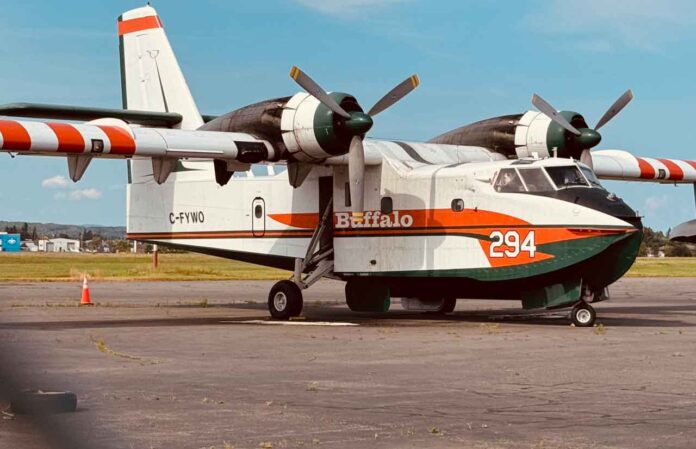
(677, 250)
(24, 232)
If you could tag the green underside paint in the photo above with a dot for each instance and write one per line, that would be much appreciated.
(565, 254)
(555, 295)
(364, 295)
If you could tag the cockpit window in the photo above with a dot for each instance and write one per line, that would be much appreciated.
(536, 180)
(589, 174)
(568, 176)
(508, 181)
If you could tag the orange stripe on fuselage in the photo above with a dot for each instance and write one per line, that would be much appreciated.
(69, 138)
(218, 235)
(14, 136)
(303, 220)
(543, 235)
(139, 24)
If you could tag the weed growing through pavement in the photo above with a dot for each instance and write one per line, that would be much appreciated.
(102, 347)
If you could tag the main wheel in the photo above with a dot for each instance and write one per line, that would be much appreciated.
(285, 300)
(447, 306)
(583, 315)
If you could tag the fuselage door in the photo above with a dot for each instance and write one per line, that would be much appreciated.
(258, 217)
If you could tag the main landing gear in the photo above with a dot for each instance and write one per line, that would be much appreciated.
(285, 298)
(583, 315)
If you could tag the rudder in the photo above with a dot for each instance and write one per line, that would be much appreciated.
(151, 78)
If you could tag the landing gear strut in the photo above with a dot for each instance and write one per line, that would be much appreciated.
(583, 315)
(285, 299)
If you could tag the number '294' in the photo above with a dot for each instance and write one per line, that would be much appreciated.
(509, 244)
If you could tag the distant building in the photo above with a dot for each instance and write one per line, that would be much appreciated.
(10, 243)
(30, 246)
(59, 245)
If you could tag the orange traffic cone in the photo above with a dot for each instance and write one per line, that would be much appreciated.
(85, 301)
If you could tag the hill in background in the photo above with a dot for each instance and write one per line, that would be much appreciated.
(63, 230)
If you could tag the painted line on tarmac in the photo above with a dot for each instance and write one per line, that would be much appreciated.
(294, 323)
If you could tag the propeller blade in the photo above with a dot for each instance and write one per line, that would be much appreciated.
(394, 95)
(615, 108)
(316, 91)
(551, 113)
(356, 175)
(586, 158)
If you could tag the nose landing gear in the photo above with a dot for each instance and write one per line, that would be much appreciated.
(583, 315)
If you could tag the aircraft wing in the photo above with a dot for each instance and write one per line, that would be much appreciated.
(82, 113)
(622, 165)
(115, 139)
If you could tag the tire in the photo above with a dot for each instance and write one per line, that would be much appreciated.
(583, 315)
(285, 300)
(448, 305)
(43, 402)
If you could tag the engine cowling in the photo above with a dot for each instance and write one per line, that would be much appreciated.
(311, 131)
(524, 135)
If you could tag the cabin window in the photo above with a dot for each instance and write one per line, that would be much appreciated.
(258, 211)
(457, 204)
(346, 190)
(508, 181)
(536, 180)
(568, 176)
(386, 205)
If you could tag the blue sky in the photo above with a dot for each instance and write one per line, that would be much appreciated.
(476, 59)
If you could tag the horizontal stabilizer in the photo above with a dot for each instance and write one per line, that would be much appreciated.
(80, 113)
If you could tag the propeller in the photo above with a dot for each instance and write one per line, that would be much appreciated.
(358, 124)
(581, 140)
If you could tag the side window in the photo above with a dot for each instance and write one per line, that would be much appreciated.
(387, 205)
(508, 181)
(457, 204)
(347, 195)
(258, 211)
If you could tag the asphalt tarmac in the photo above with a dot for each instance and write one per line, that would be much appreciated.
(196, 365)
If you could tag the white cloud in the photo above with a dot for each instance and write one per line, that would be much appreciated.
(56, 182)
(79, 194)
(601, 25)
(88, 194)
(653, 204)
(347, 8)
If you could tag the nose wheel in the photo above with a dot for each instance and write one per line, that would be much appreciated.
(583, 315)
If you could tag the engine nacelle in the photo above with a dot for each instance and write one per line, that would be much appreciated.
(311, 131)
(531, 134)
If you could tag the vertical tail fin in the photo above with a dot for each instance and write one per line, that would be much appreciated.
(151, 79)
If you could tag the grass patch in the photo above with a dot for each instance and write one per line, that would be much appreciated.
(28, 267)
(128, 267)
(663, 267)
